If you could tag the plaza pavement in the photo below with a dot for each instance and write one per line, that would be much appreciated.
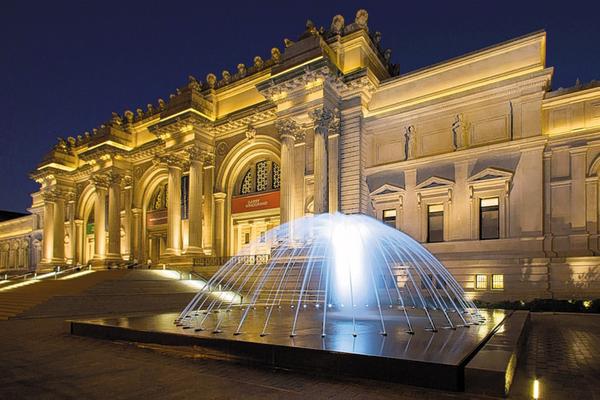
(39, 360)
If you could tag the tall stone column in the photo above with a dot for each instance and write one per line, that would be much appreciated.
(220, 222)
(114, 219)
(48, 239)
(127, 218)
(174, 208)
(80, 240)
(195, 202)
(136, 240)
(58, 255)
(323, 119)
(101, 184)
(289, 132)
(208, 209)
(334, 167)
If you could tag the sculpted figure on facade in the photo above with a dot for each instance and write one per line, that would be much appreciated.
(459, 132)
(193, 83)
(226, 76)
(362, 17)
(275, 55)
(241, 70)
(337, 25)
(410, 145)
(129, 117)
(162, 105)
(258, 62)
(211, 79)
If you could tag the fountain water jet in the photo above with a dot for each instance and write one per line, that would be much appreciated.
(344, 268)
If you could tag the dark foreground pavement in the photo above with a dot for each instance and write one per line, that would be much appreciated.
(39, 360)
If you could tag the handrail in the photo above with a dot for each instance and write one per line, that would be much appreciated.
(36, 275)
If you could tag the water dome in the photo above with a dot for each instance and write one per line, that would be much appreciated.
(334, 272)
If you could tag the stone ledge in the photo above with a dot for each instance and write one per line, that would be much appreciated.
(492, 369)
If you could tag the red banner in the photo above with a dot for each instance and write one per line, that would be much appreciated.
(157, 217)
(255, 202)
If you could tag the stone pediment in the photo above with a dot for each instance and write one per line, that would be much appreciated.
(435, 182)
(491, 174)
(387, 189)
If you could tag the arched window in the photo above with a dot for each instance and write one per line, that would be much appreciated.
(159, 199)
(261, 176)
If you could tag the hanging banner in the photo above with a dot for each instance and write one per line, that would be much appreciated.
(255, 202)
(157, 217)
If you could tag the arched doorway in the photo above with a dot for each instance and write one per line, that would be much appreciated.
(156, 223)
(255, 205)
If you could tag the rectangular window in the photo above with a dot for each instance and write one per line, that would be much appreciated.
(498, 282)
(389, 217)
(435, 223)
(489, 218)
(263, 237)
(185, 191)
(246, 237)
(481, 282)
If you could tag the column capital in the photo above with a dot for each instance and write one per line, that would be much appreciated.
(288, 128)
(172, 161)
(325, 120)
(220, 196)
(55, 194)
(100, 181)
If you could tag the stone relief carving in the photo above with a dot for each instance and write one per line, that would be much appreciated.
(362, 17)
(222, 148)
(250, 133)
(460, 132)
(337, 24)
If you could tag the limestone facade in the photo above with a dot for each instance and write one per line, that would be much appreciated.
(475, 152)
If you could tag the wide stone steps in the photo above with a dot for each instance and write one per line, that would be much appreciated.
(18, 300)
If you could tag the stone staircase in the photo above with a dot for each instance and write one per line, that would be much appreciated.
(99, 293)
(16, 301)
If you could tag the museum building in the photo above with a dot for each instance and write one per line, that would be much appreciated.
(475, 157)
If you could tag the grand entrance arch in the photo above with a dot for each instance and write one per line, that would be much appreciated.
(255, 205)
(249, 180)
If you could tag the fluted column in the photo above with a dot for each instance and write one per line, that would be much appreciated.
(289, 132)
(174, 208)
(195, 202)
(114, 218)
(323, 119)
(48, 239)
(136, 242)
(127, 218)
(80, 240)
(59, 230)
(101, 184)
(220, 223)
(208, 210)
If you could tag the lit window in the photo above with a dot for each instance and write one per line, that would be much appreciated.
(481, 282)
(276, 176)
(489, 218)
(389, 217)
(262, 180)
(263, 237)
(435, 223)
(497, 281)
(247, 182)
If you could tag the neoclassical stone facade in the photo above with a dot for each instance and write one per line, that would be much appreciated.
(474, 156)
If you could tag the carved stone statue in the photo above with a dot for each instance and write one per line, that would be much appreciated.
(459, 132)
(387, 55)
(139, 114)
(241, 70)
(129, 116)
(211, 79)
(258, 62)
(337, 25)
(193, 83)
(410, 145)
(161, 103)
(275, 55)
(226, 76)
(287, 42)
(116, 119)
(149, 109)
(377, 38)
(362, 17)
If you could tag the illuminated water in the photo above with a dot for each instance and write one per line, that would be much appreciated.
(347, 266)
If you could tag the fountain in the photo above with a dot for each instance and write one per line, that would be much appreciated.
(338, 295)
(335, 267)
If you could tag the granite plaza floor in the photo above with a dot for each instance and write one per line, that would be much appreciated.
(40, 360)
